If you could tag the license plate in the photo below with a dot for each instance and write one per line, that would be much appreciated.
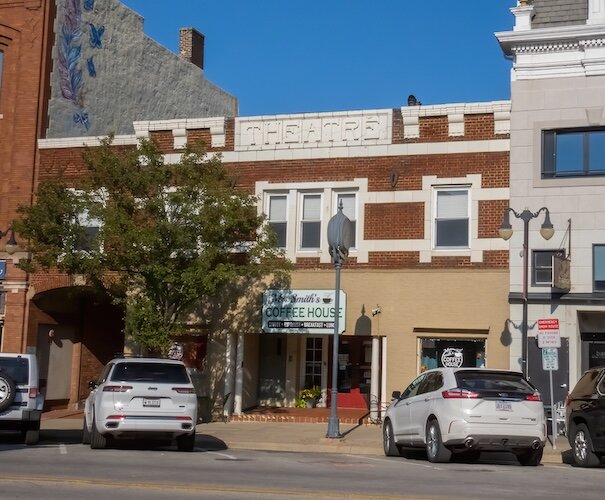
(504, 406)
(154, 403)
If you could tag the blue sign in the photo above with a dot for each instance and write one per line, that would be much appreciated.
(2, 269)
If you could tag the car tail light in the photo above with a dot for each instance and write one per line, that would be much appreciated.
(115, 417)
(457, 393)
(183, 418)
(116, 388)
(33, 392)
(533, 397)
(184, 390)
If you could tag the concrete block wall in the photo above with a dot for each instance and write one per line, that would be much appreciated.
(107, 73)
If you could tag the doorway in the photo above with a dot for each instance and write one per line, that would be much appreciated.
(272, 370)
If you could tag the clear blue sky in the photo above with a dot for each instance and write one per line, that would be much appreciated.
(288, 56)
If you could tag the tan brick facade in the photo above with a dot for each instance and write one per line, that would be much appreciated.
(395, 265)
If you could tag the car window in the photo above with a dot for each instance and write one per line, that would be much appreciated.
(601, 386)
(432, 382)
(484, 380)
(586, 385)
(105, 373)
(16, 368)
(412, 389)
(167, 373)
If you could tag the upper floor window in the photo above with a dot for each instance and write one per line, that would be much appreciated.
(598, 268)
(91, 226)
(572, 153)
(310, 224)
(451, 223)
(278, 217)
(543, 265)
(349, 208)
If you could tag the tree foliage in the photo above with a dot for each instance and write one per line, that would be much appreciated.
(170, 236)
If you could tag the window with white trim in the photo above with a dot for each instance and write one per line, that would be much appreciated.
(451, 214)
(349, 208)
(278, 217)
(310, 223)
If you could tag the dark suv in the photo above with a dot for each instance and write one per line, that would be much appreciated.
(585, 415)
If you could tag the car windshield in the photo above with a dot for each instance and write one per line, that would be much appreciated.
(586, 385)
(483, 380)
(15, 368)
(167, 373)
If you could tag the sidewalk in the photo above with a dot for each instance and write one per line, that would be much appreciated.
(276, 436)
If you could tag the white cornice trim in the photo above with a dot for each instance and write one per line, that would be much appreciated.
(81, 142)
(545, 36)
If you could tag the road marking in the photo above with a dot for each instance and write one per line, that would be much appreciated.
(230, 457)
(62, 449)
(426, 466)
(205, 488)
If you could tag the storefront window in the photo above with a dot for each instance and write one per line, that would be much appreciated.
(454, 353)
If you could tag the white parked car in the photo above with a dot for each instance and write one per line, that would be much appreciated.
(141, 398)
(467, 410)
(20, 399)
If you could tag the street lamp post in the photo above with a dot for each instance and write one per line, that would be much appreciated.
(506, 231)
(340, 239)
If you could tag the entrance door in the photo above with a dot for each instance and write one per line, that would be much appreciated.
(272, 370)
(593, 350)
(313, 362)
(55, 351)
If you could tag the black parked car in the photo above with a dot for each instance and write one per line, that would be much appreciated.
(585, 415)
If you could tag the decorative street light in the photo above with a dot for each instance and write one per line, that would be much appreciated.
(506, 231)
(11, 244)
(340, 239)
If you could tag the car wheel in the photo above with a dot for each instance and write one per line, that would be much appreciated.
(531, 457)
(436, 452)
(583, 454)
(85, 433)
(186, 442)
(7, 391)
(97, 440)
(388, 440)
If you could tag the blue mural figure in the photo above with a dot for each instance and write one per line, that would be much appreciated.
(81, 118)
(95, 36)
(91, 67)
(89, 4)
(70, 75)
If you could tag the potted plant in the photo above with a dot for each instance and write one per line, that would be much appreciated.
(308, 398)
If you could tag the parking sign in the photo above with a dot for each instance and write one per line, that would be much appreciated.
(550, 358)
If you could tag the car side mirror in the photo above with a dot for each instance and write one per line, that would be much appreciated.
(396, 395)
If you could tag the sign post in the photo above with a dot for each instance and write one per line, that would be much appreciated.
(550, 362)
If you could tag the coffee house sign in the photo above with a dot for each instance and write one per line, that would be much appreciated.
(302, 311)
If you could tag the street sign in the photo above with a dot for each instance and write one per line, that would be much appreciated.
(548, 333)
(550, 358)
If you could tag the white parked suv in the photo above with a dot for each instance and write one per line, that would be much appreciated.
(20, 399)
(467, 410)
(141, 398)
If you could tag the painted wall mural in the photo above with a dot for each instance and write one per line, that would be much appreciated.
(69, 68)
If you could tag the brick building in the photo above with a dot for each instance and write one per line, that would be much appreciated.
(77, 68)
(425, 282)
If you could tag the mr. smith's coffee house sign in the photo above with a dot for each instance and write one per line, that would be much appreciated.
(302, 311)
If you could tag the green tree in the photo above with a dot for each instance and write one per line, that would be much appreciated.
(170, 236)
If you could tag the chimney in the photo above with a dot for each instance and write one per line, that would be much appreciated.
(191, 46)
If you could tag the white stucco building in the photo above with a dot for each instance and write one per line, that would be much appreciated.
(558, 161)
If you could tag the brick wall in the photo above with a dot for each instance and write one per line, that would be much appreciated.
(394, 221)
(25, 31)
